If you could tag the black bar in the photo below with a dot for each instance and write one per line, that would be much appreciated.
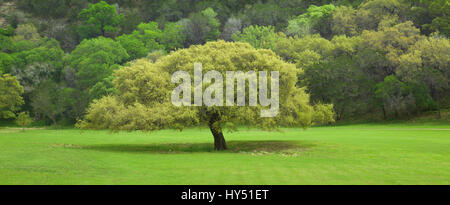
(254, 194)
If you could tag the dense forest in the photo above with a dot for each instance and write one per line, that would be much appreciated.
(371, 59)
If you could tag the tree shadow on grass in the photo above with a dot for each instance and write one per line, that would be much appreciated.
(253, 147)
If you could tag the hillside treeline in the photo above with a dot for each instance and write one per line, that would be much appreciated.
(376, 59)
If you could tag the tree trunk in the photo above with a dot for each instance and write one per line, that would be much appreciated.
(439, 109)
(219, 140)
(54, 121)
(436, 97)
(216, 130)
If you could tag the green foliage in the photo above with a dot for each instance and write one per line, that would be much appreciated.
(432, 15)
(134, 47)
(6, 43)
(46, 51)
(94, 59)
(148, 33)
(258, 36)
(375, 39)
(88, 66)
(100, 19)
(214, 24)
(51, 100)
(231, 27)
(389, 42)
(6, 62)
(52, 8)
(268, 14)
(102, 88)
(368, 16)
(316, 20)
(155, 55)
(8, 31)
(23, 119)
(323, 113)
(422, 97)
(148, 38)
(10, 98)
(339, 82)
(395, 96)
(24, 45)
(144, 88)
(403, 98)
(38, 64)
(304, 52)
(428, 62)
(431, 52)
(201, 27)
(133, 84)
(344, 21)
(144, 40)
(172, 36)
(26, 32)
(370, 13)
(131, 20)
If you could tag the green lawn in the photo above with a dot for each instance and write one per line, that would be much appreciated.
(352, 154)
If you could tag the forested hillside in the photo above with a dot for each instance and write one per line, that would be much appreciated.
(376, 59)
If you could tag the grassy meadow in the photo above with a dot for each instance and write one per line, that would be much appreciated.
(349, 154)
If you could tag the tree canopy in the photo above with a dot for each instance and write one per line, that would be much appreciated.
(258, 36)
(144, 102)
(10, 98)
(100, 19)
(371, 59)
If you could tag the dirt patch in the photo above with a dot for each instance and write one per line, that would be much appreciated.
(67, 146)
(17, 129)
(255, 148)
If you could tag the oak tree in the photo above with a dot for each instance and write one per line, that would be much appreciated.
(143, 100)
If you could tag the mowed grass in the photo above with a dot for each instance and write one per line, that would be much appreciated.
(352, 154)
